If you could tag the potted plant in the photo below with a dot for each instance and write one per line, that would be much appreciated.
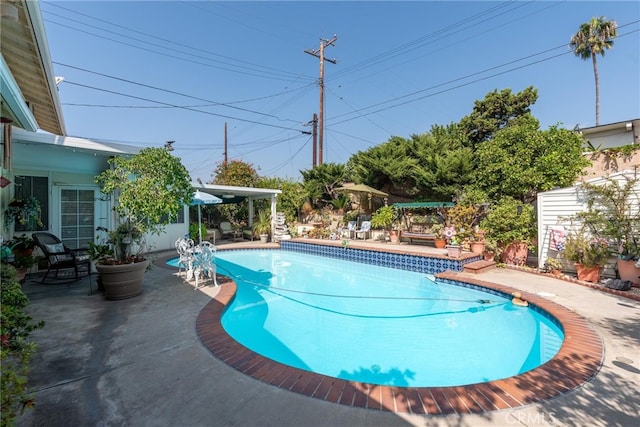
(438, 233)
(588, 253)
(383, 218)
(22, 264)
(613, 212)
(25, 211)
(477, 242)
(23, 245)
(99, 249)
(512, 225)
(490, 249)
(151, 187)
(454, 250)
(262, 226)
(554, 265)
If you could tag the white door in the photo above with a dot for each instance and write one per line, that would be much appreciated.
(77, 216)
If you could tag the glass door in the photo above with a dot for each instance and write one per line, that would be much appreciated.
(77, 217)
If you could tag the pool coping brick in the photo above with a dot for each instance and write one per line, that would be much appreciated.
(577, 362)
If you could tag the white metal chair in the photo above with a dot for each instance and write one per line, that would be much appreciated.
(204, 263)
(184, 247)
(364, 230)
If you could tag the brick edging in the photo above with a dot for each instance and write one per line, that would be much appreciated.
(570, 279)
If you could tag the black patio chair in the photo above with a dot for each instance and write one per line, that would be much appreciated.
(60, 257)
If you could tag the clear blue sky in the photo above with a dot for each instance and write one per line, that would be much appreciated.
(146, 72)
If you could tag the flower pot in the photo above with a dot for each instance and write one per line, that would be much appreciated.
(264, 238)
(394, 235)
(627, 270)
(477, 247)
(454, 251)
(489, 256)
(122, 281)
(515, 253)
(440, 243)
(588, 274)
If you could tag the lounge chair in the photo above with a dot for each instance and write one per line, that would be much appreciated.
(364, 230)
(226, 230)
(61, 257)
(351, 228)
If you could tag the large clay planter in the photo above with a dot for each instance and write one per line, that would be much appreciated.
(122, 281)
(515, 253)
(588, 274)
(477, 247)
(440, 243)
(627, 270)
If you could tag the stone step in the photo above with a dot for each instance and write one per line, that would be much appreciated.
(477, 267)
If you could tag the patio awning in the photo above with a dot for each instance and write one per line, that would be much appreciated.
(417, 205)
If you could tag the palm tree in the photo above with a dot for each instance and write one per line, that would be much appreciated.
(593, 38)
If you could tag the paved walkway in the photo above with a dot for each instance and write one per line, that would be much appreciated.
(139, 362)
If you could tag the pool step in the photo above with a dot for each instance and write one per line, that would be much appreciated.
(477, 267)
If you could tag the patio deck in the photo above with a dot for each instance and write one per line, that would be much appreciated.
(141, 362)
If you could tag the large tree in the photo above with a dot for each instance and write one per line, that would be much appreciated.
(430, 166)
(496, 111)
(320, 182)
(522, 160)
(593, 39)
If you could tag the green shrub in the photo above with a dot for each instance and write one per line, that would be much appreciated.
(193, 231)
(15, 350)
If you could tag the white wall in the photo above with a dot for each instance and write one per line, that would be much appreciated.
(554, 209)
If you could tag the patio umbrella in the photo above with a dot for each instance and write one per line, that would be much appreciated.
(199, 199)
(360, 190)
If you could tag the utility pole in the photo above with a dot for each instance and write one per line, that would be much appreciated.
(225, 143)
(315, 139)
(319, 53)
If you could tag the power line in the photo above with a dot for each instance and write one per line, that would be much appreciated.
(179, 106)
(214, 103)
(260, 68)
(362, 113)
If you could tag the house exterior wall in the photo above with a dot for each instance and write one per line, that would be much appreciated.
(614, 134)
(606, 164)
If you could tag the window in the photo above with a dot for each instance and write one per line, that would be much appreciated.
(33, 186)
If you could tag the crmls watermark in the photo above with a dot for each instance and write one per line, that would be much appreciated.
(531, 419)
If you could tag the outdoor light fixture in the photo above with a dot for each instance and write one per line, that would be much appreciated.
(168, 145)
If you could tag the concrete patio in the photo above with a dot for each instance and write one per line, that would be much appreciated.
(139, 362)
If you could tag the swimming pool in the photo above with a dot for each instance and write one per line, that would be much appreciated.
(379, 325)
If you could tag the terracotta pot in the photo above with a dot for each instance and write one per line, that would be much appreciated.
(627, 270)
(394, 236)
(21, 274)
(588, 274)
(454, 251)
(477, 247)
(489, 256)
(440, 243)
(23, 252)
(122, 281)
(515, 253)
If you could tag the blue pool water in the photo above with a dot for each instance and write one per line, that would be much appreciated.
(378, 325)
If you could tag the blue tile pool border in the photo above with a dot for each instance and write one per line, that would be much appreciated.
(410, 262)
